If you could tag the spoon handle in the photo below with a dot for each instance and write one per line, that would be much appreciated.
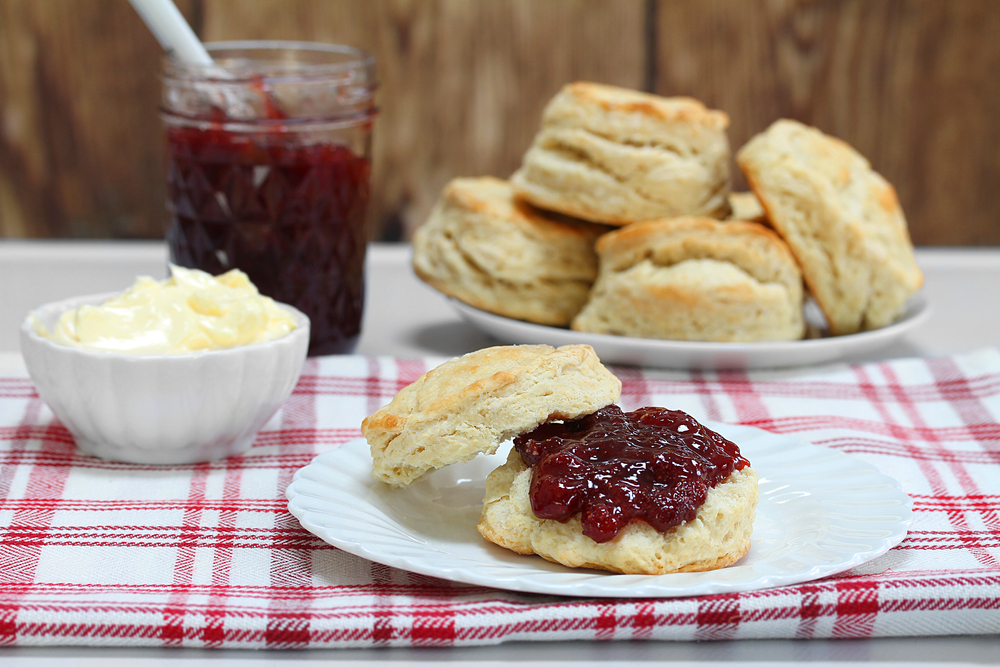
(167, 24)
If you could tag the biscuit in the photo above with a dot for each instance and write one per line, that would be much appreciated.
(841, 219)
(471, 404)
(718, 536)
(695, 279)
(617, 156)
(483, 247)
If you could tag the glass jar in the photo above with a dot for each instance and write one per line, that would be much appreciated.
(269, 153)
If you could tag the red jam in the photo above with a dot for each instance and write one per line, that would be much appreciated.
(291, 215)
(610, 467)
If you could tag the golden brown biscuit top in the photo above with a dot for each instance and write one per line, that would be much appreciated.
(495, 198)
(826, 156)
(626, 101)
(749, 245)
(443, 388)
(457, 383)
(469, 405)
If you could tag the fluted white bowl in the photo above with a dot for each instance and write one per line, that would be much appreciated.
(162, 409)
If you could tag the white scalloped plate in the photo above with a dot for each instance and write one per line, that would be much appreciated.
(821, 512)
(683, 354)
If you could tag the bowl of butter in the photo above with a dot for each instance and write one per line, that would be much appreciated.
(178, 371)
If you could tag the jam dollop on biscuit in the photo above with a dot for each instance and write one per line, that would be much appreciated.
(611, 467)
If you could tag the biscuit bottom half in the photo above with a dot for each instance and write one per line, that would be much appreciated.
(718, 536)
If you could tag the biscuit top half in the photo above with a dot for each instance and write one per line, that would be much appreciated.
(827, 157)
(630, 116)
(750, 246)
(494, 198)
(802, 152)
(469, 405)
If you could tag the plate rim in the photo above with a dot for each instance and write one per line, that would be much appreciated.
(916, 311)
(595, 583)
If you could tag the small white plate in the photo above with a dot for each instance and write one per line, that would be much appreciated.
(693, 354)
(821, 512)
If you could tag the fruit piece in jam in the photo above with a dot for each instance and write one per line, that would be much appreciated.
(611, 467)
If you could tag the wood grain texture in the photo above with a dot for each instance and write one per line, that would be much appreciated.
(78, 156)
(913, 84)
(462, 83)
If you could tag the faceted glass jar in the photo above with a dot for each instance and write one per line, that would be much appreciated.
(269, 153)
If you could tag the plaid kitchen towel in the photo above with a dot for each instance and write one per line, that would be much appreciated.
(105, 554)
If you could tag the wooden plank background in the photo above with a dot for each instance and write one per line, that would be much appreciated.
(913, 84)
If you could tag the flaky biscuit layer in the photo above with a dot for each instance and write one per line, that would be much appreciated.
(695, 279)
(469, 405)
(485, 248)
(841, 219)
(618, 156)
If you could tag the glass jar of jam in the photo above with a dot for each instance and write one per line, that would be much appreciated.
(269, 163)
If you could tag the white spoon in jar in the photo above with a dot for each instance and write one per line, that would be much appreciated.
(172, 31)
(177, 38)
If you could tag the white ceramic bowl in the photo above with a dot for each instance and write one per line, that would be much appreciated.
(162, 409)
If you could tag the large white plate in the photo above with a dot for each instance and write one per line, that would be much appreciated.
(694, 354)
(820, 512)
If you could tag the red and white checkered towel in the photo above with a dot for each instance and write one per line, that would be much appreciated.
(104, 554)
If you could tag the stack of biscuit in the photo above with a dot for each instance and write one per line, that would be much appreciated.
(620, 220)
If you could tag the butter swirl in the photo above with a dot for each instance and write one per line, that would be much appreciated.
(189, 312)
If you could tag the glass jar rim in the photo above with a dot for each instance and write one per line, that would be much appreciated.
(355, 60)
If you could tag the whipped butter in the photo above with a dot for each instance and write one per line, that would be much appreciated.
(188, 312)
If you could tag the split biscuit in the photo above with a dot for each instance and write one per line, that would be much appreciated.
(841, 219)
(469, 405)
(718, 536)
(617, 156)
(485, 248)
(695, 279)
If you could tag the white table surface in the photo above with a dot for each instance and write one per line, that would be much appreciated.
(405, 318)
